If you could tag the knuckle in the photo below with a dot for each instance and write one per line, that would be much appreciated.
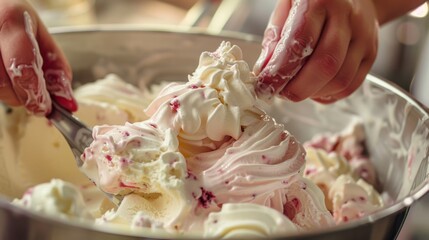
(328, 65)
(320, 3)
(333, 4)
(350, 89)
(300, 42)
(341, 84)
(300, 48)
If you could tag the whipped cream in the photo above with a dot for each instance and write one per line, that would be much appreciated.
(110, 101)
(205, 158)
(139, 158)
(353, 199)
(206, 143)
(247, 220)
(220, 91)
(350, 145)
(335, 161)
(55, 198)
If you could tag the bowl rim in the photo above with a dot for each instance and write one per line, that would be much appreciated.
(155, 28)
(397, 206)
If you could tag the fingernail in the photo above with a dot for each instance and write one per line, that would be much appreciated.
(68, 104)
(260, 62)
(59, 86)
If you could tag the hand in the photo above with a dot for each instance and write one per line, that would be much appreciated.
(32, 67)
(319, 49)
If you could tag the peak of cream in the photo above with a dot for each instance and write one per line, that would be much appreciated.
(226, 71)
(219, 91)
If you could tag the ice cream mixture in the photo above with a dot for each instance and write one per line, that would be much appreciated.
(204, 157)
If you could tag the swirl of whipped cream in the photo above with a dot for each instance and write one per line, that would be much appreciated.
(234, 153)
(246, 220)
(135, 157)
(56, 198)
(353, 199)
(227, 72)
(263, 159)
(220, 91)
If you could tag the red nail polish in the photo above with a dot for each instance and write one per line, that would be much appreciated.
(69, 104)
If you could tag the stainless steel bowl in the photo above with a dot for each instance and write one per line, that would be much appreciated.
(397, 126)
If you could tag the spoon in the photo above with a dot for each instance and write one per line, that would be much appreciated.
(78, 136)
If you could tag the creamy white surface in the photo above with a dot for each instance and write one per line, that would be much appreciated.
(353, 199)
(323, 168)
(110, 101)
(55, 198)
(217, 80)
(349, 144)
(247, 220)
(140, 158)
(220, 91)
(234, 152)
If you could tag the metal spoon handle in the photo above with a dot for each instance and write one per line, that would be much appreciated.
(75, 132)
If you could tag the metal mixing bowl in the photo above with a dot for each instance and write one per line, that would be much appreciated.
(397, 127)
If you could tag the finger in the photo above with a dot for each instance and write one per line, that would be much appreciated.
(325, 62)
(357, 81)
(300, 34)
(7, 95)
(272, 33)
(345, 75)
(357, 60)
(57, 71)
(21, 56)
(360, 76)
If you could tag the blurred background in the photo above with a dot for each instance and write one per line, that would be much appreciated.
(402, 57)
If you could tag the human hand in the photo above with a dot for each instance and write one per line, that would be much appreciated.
(319, 49)
(32, 67)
